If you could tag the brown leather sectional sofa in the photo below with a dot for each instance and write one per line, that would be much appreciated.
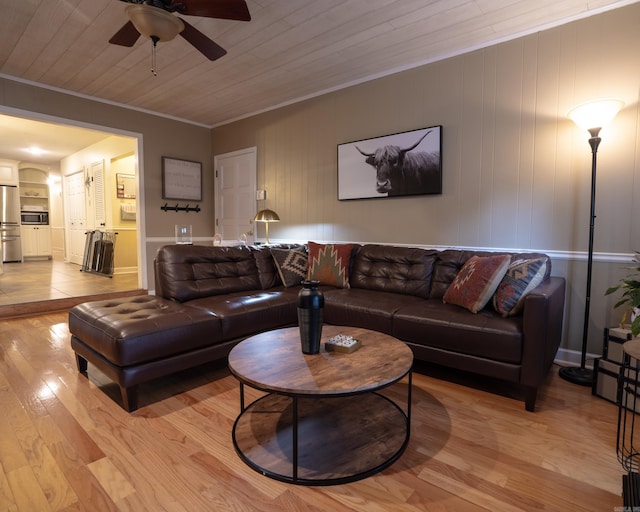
(209, 298)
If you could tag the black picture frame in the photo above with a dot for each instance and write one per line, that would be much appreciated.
(181, 179)
(370, 168)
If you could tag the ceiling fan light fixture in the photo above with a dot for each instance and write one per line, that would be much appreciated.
(155, 23)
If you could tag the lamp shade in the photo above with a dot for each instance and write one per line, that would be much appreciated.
(266, 216)
(595, 114)
(152, 21)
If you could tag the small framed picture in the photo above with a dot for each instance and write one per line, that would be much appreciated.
(402, 164)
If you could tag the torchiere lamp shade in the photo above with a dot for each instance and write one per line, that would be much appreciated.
(595, 114)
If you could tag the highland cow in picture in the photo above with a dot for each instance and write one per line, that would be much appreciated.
(403, 164)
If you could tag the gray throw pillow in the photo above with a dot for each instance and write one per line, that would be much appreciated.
(291, 265)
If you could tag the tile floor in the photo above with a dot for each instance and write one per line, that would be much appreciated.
(40, 280)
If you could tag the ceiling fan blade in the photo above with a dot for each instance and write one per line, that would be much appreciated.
(224, 9)
(126, 36)
(202, 43)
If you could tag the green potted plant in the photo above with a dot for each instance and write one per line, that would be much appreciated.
(630, 295)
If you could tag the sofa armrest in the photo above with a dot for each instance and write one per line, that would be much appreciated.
(543, 315)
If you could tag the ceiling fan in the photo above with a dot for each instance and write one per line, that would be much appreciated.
(156, 20)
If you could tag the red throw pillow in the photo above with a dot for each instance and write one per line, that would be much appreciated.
(477, 281)
(329, 264)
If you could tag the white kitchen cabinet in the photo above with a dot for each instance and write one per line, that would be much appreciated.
(8, 173)
(36, 241)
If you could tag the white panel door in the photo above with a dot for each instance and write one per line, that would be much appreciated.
(235, 192)
(75, 215)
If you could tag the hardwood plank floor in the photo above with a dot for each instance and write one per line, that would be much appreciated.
(66, 444)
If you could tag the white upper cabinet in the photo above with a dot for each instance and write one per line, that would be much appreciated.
(8, 173)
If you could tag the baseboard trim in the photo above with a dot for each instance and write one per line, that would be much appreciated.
(565, 357)
(125, 270)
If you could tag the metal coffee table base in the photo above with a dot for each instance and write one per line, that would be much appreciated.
(322, 440)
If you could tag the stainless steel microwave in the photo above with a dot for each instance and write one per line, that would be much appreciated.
(36, 218)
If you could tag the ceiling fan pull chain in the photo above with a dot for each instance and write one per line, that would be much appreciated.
(155, 40)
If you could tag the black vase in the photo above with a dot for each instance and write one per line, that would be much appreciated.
(310, 306)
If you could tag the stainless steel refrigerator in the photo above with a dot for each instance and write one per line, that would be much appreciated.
(10, 223)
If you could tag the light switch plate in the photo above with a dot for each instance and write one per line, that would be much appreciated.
(261, 195)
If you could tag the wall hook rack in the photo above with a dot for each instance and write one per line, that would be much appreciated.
(177, 208)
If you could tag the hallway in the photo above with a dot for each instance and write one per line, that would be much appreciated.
(33, 282)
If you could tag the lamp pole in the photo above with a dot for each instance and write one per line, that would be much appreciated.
(583, 375)
(266, 230)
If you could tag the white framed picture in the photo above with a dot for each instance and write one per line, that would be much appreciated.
(181, 179)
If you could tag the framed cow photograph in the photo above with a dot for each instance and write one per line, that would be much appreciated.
(402, 164)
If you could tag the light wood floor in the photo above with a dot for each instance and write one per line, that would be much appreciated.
(49, 285)
(65, 444)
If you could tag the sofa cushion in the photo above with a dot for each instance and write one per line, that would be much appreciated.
(521, 277)
(292, 265)
(133, 330)
(393, 269)
(186, 272)
(329, 264)
(267, 271)
(242, 314)
(370, 309)
(485, 335)
(477, 281)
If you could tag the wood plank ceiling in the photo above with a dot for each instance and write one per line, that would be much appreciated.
(291, 49)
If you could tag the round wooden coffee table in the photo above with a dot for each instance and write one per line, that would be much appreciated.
(323, 419)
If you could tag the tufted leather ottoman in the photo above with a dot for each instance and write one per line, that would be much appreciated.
(136, 339)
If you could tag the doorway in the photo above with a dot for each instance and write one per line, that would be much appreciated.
(63, 143)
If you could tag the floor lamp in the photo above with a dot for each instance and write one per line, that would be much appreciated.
(592, 116)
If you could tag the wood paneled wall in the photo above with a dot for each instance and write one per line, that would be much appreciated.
(517, 171)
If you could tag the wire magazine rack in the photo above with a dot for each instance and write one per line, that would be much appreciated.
(99, 250)
(628, 438)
